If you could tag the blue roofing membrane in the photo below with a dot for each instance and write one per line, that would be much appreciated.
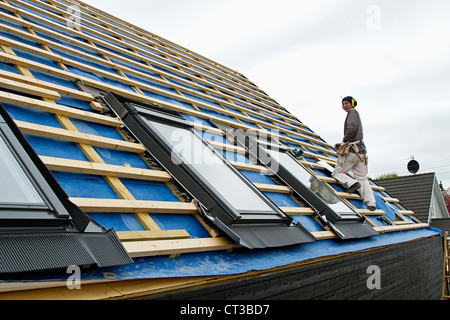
(91, 186)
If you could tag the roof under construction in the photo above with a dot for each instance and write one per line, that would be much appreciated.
(195, 169)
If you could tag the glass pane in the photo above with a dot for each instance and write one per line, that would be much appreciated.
(15, 186)
(212, 168)
(312, 182)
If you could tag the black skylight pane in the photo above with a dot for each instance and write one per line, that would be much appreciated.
(40, 229)
(331, 209)
(224, 195)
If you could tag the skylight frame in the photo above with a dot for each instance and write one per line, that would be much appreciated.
(347, 225)
(253, 229)
(54, 234)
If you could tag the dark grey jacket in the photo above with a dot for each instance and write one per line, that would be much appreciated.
(353, 130)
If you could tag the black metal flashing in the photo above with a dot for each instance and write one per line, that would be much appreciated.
(330, 209)
(258, 224)
(26, 252)
(49, 232)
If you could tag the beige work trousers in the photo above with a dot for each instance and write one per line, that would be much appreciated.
(359, 168)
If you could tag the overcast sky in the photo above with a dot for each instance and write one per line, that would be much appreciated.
(392, 56)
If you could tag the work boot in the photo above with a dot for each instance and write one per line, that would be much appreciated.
(353, 188)
(371, 208)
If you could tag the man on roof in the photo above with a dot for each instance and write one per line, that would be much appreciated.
(353, 156)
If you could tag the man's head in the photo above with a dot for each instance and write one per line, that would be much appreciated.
(349, 103)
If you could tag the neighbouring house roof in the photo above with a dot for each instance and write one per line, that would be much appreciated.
(176, 211)
(417, 192)
(442, 224)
